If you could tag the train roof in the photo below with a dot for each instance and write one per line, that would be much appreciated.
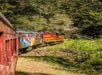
(5, 20)
(22, 31)
(48, 31)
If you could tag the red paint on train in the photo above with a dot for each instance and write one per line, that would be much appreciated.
(8, 47)
(49, 37)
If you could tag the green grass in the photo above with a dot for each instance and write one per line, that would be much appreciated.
(77, 54)
(86, 54)
(79, 44)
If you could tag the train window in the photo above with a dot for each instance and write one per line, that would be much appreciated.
(40, 36)
(57, 33)
(0, 49)
(12, 47)
(15, 46)
(7, 52)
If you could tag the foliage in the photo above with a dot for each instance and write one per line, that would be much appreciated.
(63, 16)
(85, 13)
(84, 56)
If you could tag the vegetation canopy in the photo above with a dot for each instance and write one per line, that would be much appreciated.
(69, 17)
(73, 18)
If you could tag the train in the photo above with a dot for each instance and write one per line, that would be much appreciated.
(28, 40)
(31, 39)
(8, 47)
(13, 41)
(51, 37)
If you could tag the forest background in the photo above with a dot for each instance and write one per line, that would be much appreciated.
(68, 17)
(80, 21)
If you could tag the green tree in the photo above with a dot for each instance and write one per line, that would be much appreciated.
(47, 14)
(84, 13)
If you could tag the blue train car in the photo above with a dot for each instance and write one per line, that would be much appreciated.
(29, 39)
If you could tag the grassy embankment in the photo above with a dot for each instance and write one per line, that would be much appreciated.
(79, 55)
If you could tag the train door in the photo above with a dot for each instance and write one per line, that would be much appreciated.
(10, 51)
(2, 55)
(15, 47)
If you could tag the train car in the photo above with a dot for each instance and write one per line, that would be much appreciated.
(48, 36)
(29, 39)
(8, 47)
(51, 37)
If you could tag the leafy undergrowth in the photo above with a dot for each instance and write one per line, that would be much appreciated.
(80, 55)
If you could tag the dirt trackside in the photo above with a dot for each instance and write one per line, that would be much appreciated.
(29, 66)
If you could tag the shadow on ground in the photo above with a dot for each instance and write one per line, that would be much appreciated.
(25, 73)
(57, 60)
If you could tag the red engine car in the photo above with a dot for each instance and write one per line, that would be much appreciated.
(51, 37)
(8, 47)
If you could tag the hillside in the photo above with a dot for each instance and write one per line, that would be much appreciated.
(65, 16)
(78, 56)
(78, 21)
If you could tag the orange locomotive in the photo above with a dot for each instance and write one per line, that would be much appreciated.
(8, 47)
(51, 37)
